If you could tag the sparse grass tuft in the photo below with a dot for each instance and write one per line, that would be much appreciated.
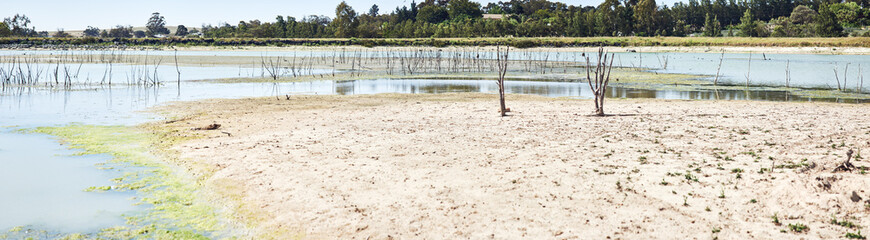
(855, 235)
(843, 223)
(798, 227)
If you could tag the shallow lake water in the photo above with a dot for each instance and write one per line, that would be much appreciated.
(806, 70)
(42, 185)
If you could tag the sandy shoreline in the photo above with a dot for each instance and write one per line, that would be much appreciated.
(446, 166)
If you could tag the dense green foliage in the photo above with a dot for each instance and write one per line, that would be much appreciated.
(91, 32)
(542, 18)
(156, 25)
(443, 42)
(534, 18)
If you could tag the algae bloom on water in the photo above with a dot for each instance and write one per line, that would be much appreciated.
(173, 209)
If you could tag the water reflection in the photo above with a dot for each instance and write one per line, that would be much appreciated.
(806, 70)
(561, 89)
(118, 105)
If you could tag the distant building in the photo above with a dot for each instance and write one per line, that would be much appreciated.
(494, 16)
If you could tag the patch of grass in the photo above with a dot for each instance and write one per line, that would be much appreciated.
(843, 223)
(791, 165)
(855, 235)
(690, 177)
(798, 227)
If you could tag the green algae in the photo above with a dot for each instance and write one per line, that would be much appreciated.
(174, 209)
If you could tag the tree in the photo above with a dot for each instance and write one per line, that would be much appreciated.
(374, 10)
(4, 30)
(493, 8)
(345, 22)
(432, 14)
(121, 32)
(139, 34)
(712, 28)
(783, 27)
(803, 15)
(19, 25)
(91, 32)
(645, 17)
(463, 9)
(605, 19)
(848, 13)
(61, 34)
(156, 25)
(181, 31)
(598, 84)
(826, 23)
(502, 62)
(747, 25)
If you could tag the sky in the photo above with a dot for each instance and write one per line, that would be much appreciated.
(50, 15)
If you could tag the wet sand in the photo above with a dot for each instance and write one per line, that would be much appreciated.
(447, 167)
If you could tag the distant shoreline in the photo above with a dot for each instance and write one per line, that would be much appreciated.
(641, 49)
(849, 45)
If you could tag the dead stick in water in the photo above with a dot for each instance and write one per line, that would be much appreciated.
(721, 58)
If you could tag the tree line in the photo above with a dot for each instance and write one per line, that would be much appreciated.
(19, 26)
(543, 18)
(534, 18)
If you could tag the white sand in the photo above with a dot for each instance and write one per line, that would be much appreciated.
(447, 167)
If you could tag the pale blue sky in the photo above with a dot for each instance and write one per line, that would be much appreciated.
(48, 15)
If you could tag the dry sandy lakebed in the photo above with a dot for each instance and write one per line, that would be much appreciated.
(446, 166)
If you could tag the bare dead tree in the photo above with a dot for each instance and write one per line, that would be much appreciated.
(598, 84)
(837, 78)
(502, 58)
(178, 70)
(721, 58)
(663, 61)
(787, 73)
(748, 68)
(272, 66)
(860, 79)
(845, 76)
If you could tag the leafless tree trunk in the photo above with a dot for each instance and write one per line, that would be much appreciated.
(748, 69)
(176, 67)
(663, 61)
(598, 84)
(721, 58)
(787, 73)
(502, 58)
(845, 77)
(837, 77)
(860, 79)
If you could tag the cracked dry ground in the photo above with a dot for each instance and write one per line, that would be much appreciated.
(446, 166)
